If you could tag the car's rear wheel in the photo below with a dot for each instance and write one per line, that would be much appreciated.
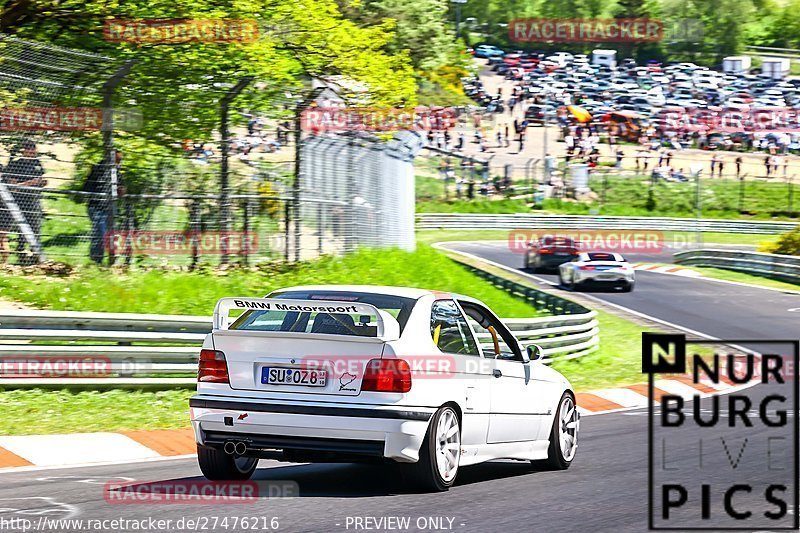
(564, 434)
(628, 287)
(440, 452)
(217, 465)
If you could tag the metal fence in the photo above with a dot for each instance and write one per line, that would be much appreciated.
(136, 350)
(71, 194)
(781, 267)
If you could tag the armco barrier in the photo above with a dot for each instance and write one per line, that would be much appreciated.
(572, 333)
(470, 221)
(781, 267)
(133, 344)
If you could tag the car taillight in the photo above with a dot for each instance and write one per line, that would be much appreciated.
(213, 367)
(387, 375)
(545, 251)
(587, 267)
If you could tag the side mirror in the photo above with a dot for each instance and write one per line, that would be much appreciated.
(535, 352)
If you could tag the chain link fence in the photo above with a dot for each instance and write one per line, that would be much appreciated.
(67, 193)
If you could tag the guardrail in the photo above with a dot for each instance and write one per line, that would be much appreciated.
(572, 333)
(162, 350)
(781, 267)
(473, 221)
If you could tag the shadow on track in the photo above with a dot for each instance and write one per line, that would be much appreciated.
(349, 480)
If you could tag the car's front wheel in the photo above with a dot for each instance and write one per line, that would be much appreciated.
(440, 452)
(217, 465)
(562, 280)
(564, 434)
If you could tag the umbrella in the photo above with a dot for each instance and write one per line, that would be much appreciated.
(580, 114)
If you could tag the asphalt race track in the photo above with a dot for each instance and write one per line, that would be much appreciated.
(604, 490)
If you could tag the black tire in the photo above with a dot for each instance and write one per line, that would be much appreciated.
(534, 267)
(555, 458)
(425, 472)
(628, 287)
(217, 465)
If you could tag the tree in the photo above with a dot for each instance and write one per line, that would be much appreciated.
(177, 86)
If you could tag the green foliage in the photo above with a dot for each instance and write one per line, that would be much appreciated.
(787, 244)
(177, 87)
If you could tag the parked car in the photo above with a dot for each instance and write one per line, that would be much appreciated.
(488, 50)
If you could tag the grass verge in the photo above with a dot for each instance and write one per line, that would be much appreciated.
(37, 411)
(731, 275)
(195, 293)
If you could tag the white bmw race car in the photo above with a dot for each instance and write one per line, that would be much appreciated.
(602, 268)
(364, 373)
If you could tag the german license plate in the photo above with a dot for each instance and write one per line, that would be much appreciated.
(302, 377)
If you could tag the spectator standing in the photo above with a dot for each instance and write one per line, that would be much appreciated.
(620, 155)
(738, 163)
(768, 164)
(507, 137)
(99, 204)
(25, 177)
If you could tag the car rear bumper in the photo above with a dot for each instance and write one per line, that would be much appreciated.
(363, 430)
(608, 278)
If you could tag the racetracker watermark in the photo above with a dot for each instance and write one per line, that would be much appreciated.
(348, 368)
(69, 119)
(722, 462)
(54, 367)
(182, 242)
(730, 120)
(631, 30)
(620, 241)
(374, 119)
(180, 31)
(197, 492)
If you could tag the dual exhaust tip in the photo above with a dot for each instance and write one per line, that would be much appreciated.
(235, 447)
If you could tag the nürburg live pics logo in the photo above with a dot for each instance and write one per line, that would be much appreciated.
(722, 433)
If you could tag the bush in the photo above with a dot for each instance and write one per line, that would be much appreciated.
(787, 244)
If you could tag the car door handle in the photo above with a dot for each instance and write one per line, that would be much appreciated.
(496, 373)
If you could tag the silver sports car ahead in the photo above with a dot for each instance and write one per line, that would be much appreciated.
(601, 268)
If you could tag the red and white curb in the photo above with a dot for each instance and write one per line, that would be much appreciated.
(635, 396)
(667, 269)
(42, 451)
(94, 448)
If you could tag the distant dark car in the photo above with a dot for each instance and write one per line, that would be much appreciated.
(535, 114)
(547, 253)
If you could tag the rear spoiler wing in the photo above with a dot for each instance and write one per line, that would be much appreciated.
(387, 326)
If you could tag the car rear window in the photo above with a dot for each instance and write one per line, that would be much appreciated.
(343, 323)
(602, 256)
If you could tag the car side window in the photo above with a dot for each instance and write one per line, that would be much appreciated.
(449, 329)
(481, 319)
